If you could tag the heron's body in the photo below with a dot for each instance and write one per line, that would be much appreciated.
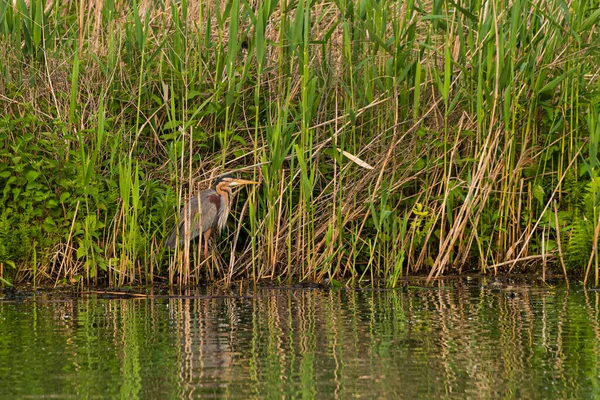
(207, 216)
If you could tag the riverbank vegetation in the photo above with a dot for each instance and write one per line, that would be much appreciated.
(391, 138)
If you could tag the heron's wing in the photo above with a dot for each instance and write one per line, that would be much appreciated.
(211, 208)
(211, 202)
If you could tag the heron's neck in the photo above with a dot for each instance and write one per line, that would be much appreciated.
(224, 191)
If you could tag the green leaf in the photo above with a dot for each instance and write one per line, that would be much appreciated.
(49, 224)
(538, 193)
(335, 283)
(192, 94)
(550, 86)
(31, 175)
(64, 196)
(80, 251)
(239, 139)
(172, 124)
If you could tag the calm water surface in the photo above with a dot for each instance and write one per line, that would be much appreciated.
(460, 339)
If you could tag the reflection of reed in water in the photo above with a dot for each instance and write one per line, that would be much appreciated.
(456, 340)
(463, 340)
(203, 330)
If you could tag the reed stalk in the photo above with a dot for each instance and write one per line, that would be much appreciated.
(390, 138)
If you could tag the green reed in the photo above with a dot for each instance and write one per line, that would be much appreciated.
(390, 139)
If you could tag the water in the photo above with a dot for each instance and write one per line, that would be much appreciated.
(461, 339)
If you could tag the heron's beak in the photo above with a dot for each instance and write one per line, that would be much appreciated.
(239, 182)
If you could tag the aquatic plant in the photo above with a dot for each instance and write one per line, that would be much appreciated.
(390, 138)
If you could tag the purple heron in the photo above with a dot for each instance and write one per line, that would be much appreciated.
(212, 213)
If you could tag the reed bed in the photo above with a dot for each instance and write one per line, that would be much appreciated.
(390, 138)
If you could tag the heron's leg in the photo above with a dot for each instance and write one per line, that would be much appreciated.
(206, 236)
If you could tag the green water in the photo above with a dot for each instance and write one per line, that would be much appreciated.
(462, 339)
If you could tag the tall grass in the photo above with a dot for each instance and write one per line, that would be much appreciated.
(390, 138)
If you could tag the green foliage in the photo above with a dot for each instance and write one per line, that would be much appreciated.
(590, 203)
(580, 244)
(33, 181)
(584, 222)
(390, 139)
(14, 240)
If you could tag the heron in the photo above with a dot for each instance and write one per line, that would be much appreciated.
(212, 212)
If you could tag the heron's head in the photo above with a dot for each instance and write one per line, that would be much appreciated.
(231, 181)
